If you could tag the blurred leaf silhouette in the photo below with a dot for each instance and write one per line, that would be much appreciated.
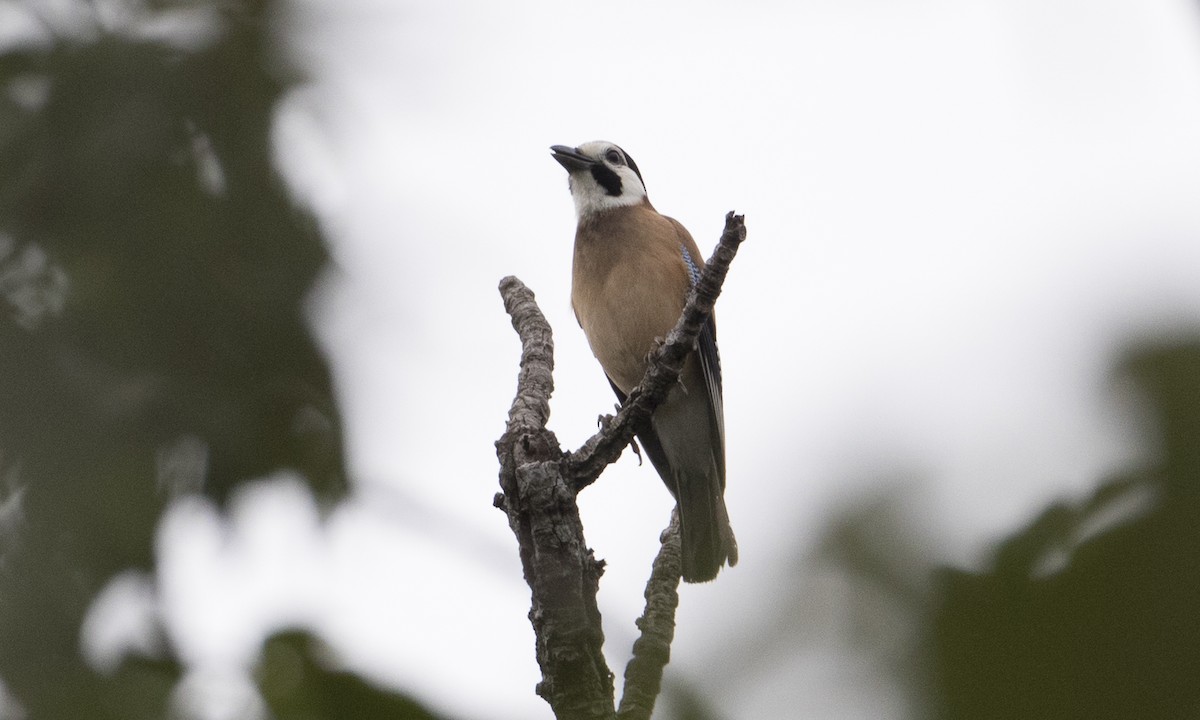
(1091, 611)
(680, 701)
(153, 280)
(297, 687)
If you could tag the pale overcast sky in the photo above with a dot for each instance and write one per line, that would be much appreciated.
(957, 212)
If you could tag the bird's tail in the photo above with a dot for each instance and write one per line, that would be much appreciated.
(684, 442)
(707, 537)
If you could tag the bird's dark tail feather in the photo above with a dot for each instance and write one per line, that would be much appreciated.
(707, 537)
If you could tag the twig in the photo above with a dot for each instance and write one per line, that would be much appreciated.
(652, 651)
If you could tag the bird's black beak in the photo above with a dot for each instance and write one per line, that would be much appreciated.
(571, 158)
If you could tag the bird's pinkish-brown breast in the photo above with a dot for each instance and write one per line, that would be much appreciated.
(629, 285)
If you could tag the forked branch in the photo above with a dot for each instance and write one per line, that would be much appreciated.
(539, 484)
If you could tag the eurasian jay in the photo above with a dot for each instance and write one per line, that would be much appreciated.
(632, 272)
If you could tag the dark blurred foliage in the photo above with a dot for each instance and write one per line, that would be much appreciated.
(681, 701)
(296, 686)
(153, 280)
(1090, 612)
(1093, 610)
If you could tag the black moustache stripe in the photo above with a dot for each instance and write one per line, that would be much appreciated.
(607, 179)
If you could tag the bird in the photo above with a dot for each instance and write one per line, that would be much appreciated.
(631, 274)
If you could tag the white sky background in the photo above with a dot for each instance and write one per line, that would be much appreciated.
(956, 212)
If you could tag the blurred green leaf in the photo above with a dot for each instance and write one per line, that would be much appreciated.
(153, 280)
(1112, 630)
(297, 686)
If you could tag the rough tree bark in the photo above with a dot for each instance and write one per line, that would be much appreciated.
(539, 484)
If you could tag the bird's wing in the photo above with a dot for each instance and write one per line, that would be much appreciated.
(706, 350)
(710, 367)
(649, 441)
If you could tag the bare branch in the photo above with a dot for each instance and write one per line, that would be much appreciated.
(531, 407)
(652, 651)
(561, 572)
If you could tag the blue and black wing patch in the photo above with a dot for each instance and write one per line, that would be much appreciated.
(710, 368)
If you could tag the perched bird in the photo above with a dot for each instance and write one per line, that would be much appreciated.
(632, 272)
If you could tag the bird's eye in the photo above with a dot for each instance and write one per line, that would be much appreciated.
(614, 157)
